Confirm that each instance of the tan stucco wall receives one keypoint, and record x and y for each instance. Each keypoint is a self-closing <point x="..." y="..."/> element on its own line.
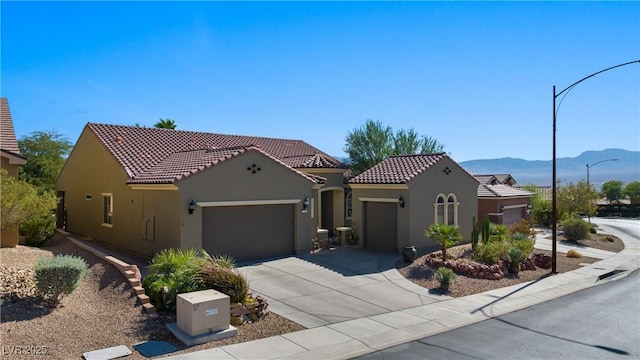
<point x="418" y="213"/>
<point x="230" y="181"/>
<point x="90" y="169"/>
<point x="9" y="237"/>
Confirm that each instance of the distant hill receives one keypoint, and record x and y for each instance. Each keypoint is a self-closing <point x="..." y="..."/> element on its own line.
<point x="625" y="169"/>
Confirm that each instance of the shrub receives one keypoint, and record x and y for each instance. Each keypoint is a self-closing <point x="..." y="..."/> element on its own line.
<point x="59" y="276"/>
<point x="524" y="226"/>
<point x="489" y="253"/>
<point x="445" y="275"/>
<point x="523" y="242"/>
<point x="38" y="230"/>
<point x="573" y="254"/>
<point x="515" y="257"/>
<point x="575" y="228"/>
<point x="172" y="272"/>
<point x="225" y="280"/>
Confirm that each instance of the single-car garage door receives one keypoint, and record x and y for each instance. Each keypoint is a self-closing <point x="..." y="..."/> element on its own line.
<point x="249" y="232"/>
<point x="381" y="225"/>
<point x="511" y="216"/>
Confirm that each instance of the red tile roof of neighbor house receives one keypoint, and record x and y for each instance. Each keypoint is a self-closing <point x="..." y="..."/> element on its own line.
<point x="145" y="152"/>
<point x="486" y="179"/>
<point x="8" y="140"/>
<point x="485" y="190"/>
<point x="398" y="169"/>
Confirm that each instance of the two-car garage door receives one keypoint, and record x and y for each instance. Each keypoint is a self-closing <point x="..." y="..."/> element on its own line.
<point x="249" y="232"/>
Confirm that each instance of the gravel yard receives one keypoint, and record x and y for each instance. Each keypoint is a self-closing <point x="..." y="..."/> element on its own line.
<point x="101" y="313"/>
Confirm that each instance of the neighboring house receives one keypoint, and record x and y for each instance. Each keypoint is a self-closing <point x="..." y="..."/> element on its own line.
<point x="11" y="160"/>
<point x="394" y="202"/>
<point x="502" y="204"/>
<point x="146" y="189"/>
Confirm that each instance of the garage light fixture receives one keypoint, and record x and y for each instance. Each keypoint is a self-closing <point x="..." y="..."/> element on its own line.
<point x="305" y="203"/>
<point x="401" y="201"/>
<point x="192" y="206"/>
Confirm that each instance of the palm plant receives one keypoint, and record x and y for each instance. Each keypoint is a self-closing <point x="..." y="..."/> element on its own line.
<point x="445" y="235"/>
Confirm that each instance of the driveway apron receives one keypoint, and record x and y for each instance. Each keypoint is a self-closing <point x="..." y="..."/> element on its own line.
<point x="335" y="285"/>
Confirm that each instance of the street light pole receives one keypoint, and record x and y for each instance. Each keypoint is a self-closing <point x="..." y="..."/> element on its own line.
<point x="594" y="164"/>
<point x="589" y="184"/>
<point x="554" y="210"/>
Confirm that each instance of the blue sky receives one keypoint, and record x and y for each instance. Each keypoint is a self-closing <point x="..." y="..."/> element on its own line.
<point x="476" y="76"/>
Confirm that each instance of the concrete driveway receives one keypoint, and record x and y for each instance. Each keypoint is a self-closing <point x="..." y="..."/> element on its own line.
<point x="335" y="285"/>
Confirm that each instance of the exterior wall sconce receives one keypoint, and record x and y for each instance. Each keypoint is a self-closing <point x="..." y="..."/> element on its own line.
<point x="528" y="209"/>
<point x="305" y="203"/>
<point x="502" y="208"/>
<point x="192" y="207"/>
<point x="401" y="201"/>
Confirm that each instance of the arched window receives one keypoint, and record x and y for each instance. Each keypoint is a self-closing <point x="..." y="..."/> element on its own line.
<point x="348" y="205"/>
<point x="446" y="209"/>
<point x="452" y="212"/>
<point x="439" y="209"/>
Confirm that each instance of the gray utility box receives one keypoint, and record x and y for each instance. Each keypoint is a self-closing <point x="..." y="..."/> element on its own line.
<point x="202" y="312"/>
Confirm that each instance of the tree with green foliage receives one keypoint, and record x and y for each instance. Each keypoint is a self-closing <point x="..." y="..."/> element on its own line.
<point x="46" y="152"/>
<point x="577" y="198"/>
<point x="21" y="202"/>
<point x="165" y="124"/>
<point x="612" y="189"/>
<point x="540" y="208"/>
<point x="632" y="190"/>
<point x="373" y="142"/>
<point x="445" y="235"/>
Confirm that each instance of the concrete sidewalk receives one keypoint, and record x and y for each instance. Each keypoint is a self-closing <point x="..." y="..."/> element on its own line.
<point x="361" y="336"/>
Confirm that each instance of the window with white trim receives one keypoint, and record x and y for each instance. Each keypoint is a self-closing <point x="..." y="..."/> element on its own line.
<point x="107" y="210"/>
<point x="348" y="205"/>
<point x="446" y="209"/>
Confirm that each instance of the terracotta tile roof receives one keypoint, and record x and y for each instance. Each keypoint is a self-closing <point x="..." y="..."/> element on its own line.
<point x="181" y="165"/>
<point x="8" y="140"/>
<point x="500" y="178"/>
<point x="398" y="169"/>
<point x="501" y="190"/>
<point x="139" y="149"/>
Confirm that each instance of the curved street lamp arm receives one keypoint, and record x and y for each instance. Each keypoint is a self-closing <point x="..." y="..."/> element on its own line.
<point x="601" y="161"/>
<point x="594" y="74"/>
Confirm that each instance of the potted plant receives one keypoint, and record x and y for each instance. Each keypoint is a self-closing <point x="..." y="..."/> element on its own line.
<point x="446" y="277"/>
<point x="353" y="238"/>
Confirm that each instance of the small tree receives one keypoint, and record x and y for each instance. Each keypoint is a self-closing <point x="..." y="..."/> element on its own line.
<point x="577" y="198"/>
<point x="612" y="190"/>
<point x="20" y="201"/>
<point x="632" y="190"/>
<point x="46" y="151"/>
<point x="445" y="235"/>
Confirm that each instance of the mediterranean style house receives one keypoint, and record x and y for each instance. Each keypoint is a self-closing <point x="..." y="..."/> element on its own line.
<point x="501" y="202"/>
<point x="11" y="160"/>
<point x="146" y="189"/>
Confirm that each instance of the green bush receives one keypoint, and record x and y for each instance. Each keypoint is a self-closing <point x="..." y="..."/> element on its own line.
<point x="445" y="275"/>
<point x="172" y="272"/>
<point x="225" y="280"/>
<point x="38" y="230"/>
<point x="59" y="276"/>
<point x="575" y="228"/>
<point x="523" y="242"/>
<point x="489" y="253"/>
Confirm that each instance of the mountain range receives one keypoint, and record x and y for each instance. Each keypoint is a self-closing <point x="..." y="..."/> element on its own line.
<point x="626" y="168"/>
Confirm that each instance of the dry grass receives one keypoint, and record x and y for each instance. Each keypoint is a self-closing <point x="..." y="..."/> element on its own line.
<point x="101" y="313"/>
